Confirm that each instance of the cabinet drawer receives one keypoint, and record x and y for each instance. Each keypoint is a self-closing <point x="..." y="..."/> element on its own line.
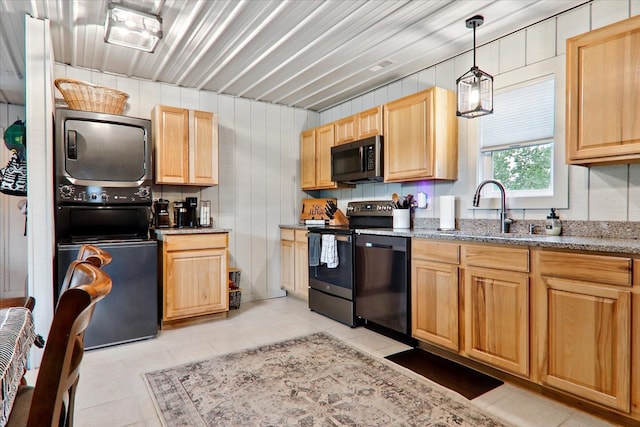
<point x="430" y="250"/>
<point x="501" y="258"/>
<point x="611" y="270"/>
<point x="287" y="234"/>
<point x="301" y="236"/>
<point x="196" y="241"/>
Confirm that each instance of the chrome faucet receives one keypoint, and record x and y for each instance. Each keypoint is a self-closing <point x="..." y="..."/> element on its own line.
<point x="504" y="221"/>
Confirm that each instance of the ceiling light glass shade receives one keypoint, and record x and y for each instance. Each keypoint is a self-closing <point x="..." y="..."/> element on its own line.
<point x="475" y="93"/>
<point x="131" y="28"/>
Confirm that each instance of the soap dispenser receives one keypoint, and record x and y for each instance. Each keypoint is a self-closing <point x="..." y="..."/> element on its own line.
<point x="553" y="227"/>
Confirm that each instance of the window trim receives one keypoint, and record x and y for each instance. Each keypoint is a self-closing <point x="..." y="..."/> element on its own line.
<point x="560" y="173"/>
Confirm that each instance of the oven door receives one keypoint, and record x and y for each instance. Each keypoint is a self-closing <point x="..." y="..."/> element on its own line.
<point x="336" y="281"/>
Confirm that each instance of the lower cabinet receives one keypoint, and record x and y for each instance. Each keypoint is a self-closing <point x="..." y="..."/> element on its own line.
<point x="194" y="277"/>
<point x="294" y="261"/>
<point x="585" y="325"/>
<point x="434" y="290"/>
<point x="497" y="306"/>
<point x="566" y="320"/>
<point x="497" y="318"/>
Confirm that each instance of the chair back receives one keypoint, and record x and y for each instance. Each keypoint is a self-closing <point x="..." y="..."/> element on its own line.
<point x="58" y="375"/>
<point x="87" y="253"/>
<point x="97" y="256"/>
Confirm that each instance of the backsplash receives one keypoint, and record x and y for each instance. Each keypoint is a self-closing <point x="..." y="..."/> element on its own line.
<point x="602" y="229"/>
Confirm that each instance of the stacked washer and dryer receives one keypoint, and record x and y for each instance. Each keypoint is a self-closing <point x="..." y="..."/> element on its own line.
<point x="103" y="176"/>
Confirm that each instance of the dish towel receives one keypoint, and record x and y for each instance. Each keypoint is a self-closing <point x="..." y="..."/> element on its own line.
<point x="329" y="251"/>
<point x="314" y="249"/>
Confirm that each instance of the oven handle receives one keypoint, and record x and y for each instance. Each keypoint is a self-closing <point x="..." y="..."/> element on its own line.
<point x="374" y="245"/>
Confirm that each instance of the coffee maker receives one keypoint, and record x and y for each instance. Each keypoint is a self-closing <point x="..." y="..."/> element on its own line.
<point x="179" y="215"/>
<point x="191" y="205"/>
<point x="161" y="213"/>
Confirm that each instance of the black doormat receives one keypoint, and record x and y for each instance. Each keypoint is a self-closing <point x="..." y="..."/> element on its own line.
<point x="452" y="375"/>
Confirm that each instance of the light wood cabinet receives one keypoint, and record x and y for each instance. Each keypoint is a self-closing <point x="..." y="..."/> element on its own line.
<point x="585" y="325"/>
<point x="369" y="122"/>
<point x="603" y="95"/>
<point x="346" y="130"/>
<point x="434" y="292"/>
<point x="359" y="126"/>
<point x="308" y="159"/>
<point x="294" y="262"/>
<point x="315" y="158"/>
<point x="194" y="277"/>
<point x="421" y="137"/>
<point x="185" y="145"/>
<point x="496" y="296"/>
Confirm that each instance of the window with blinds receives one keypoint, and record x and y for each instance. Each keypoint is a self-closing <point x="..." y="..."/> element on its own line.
<point x="516" y="141"/>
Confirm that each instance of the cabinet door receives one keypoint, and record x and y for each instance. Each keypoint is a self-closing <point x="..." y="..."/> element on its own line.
<point x="434" y="303"/>
<point x="308" y="159"/>
<point x="408" y="131"/>
<point x="324" y="142"/>
<point x="301" y="286"/>
<point x="171" y="133"/>
<point x="287" y="262"/>
<point x="203" y="148"/>
<point x="346" y="130"/>
<point x="196" y="283"/>
<point x="586" y="332"/>
<point x="497" y="318"/>
<point x="602" y="95"/>
<point x="369" y="122"/>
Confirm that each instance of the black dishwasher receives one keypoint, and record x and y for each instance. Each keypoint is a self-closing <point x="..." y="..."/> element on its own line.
<point x="382" y="285"/>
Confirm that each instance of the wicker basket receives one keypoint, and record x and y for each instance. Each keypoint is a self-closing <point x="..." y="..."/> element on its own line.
<point x="235" y="295"/>
<point x="234" y="278"/>
<point x="85" y="96"/>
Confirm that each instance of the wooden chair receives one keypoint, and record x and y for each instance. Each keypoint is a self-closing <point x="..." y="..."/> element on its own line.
<point x="87" y="253"/>
<point x="98" y="257"/>
<point x="51" y="401"/>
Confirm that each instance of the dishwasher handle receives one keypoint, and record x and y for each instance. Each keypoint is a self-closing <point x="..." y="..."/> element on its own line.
<point x="376" y="245"/>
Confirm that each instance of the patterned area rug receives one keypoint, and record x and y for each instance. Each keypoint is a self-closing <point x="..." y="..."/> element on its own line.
<point x="314" y="380"/>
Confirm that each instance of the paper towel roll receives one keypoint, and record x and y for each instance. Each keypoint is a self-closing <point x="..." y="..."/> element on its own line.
<point x="447" y="212"/>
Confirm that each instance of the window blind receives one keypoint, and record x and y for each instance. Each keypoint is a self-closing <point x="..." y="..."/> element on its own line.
<point x="521" y="115"/>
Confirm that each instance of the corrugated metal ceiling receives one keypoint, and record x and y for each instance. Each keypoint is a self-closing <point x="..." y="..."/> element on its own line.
<point x="305" y="53"/>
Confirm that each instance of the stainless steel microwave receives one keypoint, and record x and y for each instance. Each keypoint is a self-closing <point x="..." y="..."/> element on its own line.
<point x="358" y="161"/>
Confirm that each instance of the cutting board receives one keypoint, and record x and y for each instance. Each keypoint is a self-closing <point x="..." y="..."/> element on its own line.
<point x="314" y="208"/>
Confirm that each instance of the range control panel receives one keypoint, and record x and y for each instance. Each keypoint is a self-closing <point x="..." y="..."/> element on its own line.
<point x="372" y="208"/>
<point x="70" y="193"/>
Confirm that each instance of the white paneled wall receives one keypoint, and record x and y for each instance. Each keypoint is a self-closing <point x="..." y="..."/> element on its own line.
<point x="13" y="249"/>
<point x="598" y="193"/>
<point x="258" y="170"/>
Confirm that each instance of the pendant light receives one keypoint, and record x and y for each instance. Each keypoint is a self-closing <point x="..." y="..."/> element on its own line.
<point x="475" y="87"/>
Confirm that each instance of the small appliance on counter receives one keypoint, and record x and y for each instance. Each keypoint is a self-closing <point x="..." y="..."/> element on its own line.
<point x="191" y="206"/>
<point x="179" y="215"/>
<point x="161" y="215"/>
<point x="205" y="214"/>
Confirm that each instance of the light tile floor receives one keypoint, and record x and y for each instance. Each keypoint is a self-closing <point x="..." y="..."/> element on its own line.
<point x="112" y="391"/>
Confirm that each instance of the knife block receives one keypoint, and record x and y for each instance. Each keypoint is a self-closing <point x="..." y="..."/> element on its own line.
<point x="339" y="219"/>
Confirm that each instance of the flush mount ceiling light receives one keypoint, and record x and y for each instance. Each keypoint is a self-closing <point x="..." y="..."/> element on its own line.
<point x="132" y="28"/>
<point x="475" y="87"/>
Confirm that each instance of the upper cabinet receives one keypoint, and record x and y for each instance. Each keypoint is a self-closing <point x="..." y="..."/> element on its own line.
<point x="421" y="137"/>
<point x="186" y="146"/>
<point x="358" y="126"/>
<point x="603" y="95"/>
<point x="315" y="158"/>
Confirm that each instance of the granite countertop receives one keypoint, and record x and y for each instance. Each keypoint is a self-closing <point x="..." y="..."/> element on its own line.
<point x="200" y="230"/>
<point x="577" y="243"/>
